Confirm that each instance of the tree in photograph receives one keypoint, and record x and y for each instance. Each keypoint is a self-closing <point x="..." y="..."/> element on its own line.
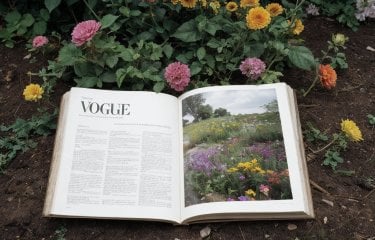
<point x="271" y="106"/>
<point x="191" y="105"/>
<point x="204" y="112"/>
<point x="221" y="112"/>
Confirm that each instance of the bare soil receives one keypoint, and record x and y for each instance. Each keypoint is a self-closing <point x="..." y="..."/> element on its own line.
<point x="23" y="184"/>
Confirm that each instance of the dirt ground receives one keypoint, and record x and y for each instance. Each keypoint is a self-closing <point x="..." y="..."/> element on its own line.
<point x="352" y="216"/>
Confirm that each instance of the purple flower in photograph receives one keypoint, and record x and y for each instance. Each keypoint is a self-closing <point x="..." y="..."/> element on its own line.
<point x="312" y="10"/>
<point x="230" y="199"/>
<point x="242" y="177"/>
<point x="202" y="160"/>
<point x="262" y="149"/>
<point x="252" y="67"/>
<point x="269" y="150"/>
<point x="243" y="198"/>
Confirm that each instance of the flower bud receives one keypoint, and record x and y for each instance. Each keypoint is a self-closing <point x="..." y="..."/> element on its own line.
<point x="339" y="39"/>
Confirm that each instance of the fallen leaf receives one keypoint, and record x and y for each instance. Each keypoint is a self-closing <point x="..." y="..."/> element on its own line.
<point x="205" y="232"/>
<point x="292" y="227"/>
<point x="370" y="49"/>
<point x="330" y="203"/>
<point x="325" y="220"/>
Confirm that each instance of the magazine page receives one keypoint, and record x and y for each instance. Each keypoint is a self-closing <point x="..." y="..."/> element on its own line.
<point x="119" y="156"/>
<point x="241" y="153"/>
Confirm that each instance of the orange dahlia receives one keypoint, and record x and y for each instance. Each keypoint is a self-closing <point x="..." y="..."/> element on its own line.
<point x="188" y="3"/>
<point x="327" y="76"/>
<point x="298" y="28"/>
<point x="249" y="3"/>
<point x="258" y="18"/>
<point x="231" y="6"/>
<point x="274" y="9"/>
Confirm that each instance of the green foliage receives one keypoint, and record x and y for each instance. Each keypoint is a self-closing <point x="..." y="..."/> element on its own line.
<point x="343" y="11"/>
<point x="60" y="233"/>
<point x="17" y="136"/>
<point x="371" y="119"/>
<point x="313" y="134"/>
<point x="338" y="142"/>
<point x="139" y="39"/>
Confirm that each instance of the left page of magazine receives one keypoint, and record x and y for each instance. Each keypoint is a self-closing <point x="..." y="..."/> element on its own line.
<point x="119" y="157"/>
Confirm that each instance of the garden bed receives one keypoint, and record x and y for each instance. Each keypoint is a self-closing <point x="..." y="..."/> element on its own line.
<point x="23" y="183"/>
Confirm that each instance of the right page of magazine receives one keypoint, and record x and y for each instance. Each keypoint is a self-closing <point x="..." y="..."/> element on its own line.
<point x="242" y="154"/>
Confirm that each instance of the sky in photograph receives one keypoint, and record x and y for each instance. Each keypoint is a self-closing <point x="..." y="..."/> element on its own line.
<point x="240" y="101"/>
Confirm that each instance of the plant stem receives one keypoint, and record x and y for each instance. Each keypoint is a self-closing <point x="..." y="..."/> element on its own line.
<point x="326" y="146"/>
<point x="91" y="10"/>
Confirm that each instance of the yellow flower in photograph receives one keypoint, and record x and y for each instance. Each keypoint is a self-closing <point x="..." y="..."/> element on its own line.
<point x="249" y="3"/>
<point x="274" y="9"/>
<point x="298" y="28"/>
<point x="174" y="2"/>
<point x="33" y="92"/>
<point x="258" y="18"/>
<point x="188" y="3"/>
<point x="250" y="193"/>
<point x="231" y="6"/>
<point x="351" y="130"/>
<point x="232" y="170"/>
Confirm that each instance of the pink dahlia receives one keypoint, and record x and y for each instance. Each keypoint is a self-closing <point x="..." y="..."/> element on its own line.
<point x="252" y="67"/>
<point x="177" y="75"/>
<point x="84" y="32"/>
<point x="39" y="41"/>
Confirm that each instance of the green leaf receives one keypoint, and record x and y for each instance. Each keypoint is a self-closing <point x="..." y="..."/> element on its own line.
<point x="201" y="53"/>
<point x="212" y="28"/>
<point x="127" y="55"/>
<point x="188" y="32"/>
<point x="27" y="20"/>
<point x="13" y="17"/>
<point x="51" y="4"/>
<point x="195" y="68"/>
<point x="108" y="20"/>
<point x="111" y="61"/>
<point x="301" y="57"/>
<point x="125" y="11"/>
<point x="40" y="28"/>
<point x="69" y="54"/>
<point x="86" y="82"/>
<point x="44" y="14"/>
<point x="168" y="50"/>
<point x="122" y="73"/>
<point x="135" y="13"/>
<point x="108" y="77"/>
<point x="159" y="86"/>
<point x="213" y="43"/>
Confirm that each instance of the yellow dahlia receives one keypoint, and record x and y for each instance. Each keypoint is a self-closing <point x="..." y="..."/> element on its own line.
<point x="351" y="130"/>
<point x="33" y="92"/>
<point x="249" y="3"/>
<point x="188" y="3"/>
<point x="231" y="6"/>
<point x="274" y="9"/>
<point x="215" y="5"/>
<point x="203" y="3"/>
<point x="298" y="27"/>
<point x="258" y="18"/>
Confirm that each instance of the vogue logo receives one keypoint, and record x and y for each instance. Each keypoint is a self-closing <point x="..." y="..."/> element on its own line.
<point x="106" y="108"/>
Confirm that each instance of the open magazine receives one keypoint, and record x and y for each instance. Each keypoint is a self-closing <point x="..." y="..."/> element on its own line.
<point x="214" y="154"/>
